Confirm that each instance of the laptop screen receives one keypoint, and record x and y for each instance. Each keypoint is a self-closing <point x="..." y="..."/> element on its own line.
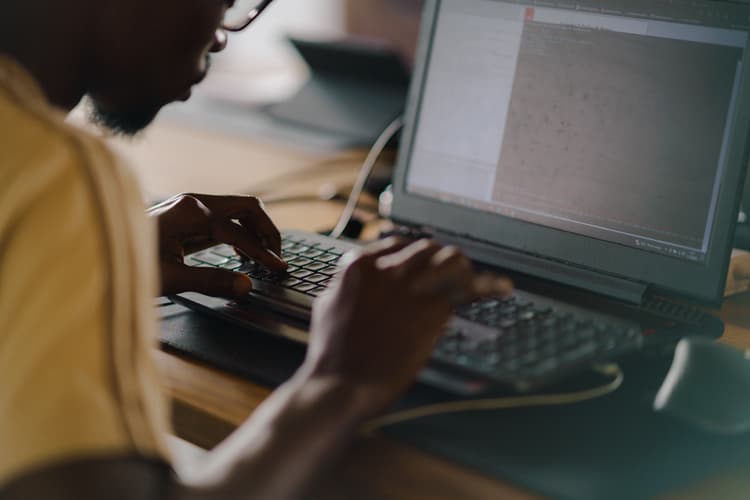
<point x="593" y="121"/>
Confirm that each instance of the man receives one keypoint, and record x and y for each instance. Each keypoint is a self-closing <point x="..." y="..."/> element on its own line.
<point x="81" y="412"/>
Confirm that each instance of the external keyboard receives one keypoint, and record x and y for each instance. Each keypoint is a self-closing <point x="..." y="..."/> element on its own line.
<point x="525" y="341"/>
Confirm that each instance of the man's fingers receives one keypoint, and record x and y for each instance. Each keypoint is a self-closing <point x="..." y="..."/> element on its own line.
<point x="250" y="212"/>
<point x="411" y="258"/>
<point x="209" y="281"/>
<point x="375" y="251"/>
<point x="270" y="237"/>
<point x="452" y="275"/>
<point x="230" y="233"/>
<point x="449" y="275"/>
<point x="488" y="285"/>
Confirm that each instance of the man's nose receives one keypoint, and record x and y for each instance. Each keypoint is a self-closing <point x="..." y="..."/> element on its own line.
<point x="220" y="41"/>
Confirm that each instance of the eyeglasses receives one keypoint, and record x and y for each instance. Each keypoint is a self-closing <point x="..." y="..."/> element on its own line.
<point x="242" y="13"/>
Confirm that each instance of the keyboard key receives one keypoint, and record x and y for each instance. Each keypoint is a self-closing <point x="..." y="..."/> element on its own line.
<point x="315" y="266"/>
<point x="233" y="265"/>
<point x="543" y="367"/>
<point x="305" y="287"/>
<point x="300" y="262"/>
<point x="577" y="353"/>
<point x="543" y="310"/>
<point x="301" y="274"/>
<point x="328" y="258"/>
<point x="317" y="291"/>
<point x="290" y="282"/>
<point x="210" y="258"/>
<point x="330" y="270"/>
<point x="261" y="273"/>
<point x="311" y="253"/>
<point x="529" y="358"/>
<point x="317" y="278"/>
<point x="527" y="315"/>
<point x="224" y="251"/>
<point x="508" y="309"/>
<point x="507" y="323"/>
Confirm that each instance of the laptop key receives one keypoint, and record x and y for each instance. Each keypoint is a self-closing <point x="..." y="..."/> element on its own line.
<point x="290" y="282"/>
<point x="210" y="258"/>
<point x="224" y="251"/>
<point x="328" y="258"/>
<point x="301" y="274"/>
<point x="316" y="278"/>
<point x="305" y="287"/>
<point x="330" y="270"/>
<point x="315" y="266"/>
<point x="311" y="253"/>
<point x="192" y="262"/>
<point x="232" y="265"/>
<point x="300" y="262"/>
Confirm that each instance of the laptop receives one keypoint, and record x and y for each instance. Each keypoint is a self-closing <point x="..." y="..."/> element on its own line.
<point x="592" y="150"/>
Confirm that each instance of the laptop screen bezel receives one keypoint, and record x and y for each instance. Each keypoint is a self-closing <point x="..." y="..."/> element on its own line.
<point x="701" y="282"/>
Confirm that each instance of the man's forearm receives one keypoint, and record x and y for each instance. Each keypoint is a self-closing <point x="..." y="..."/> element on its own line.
<point x="290" y="439"/>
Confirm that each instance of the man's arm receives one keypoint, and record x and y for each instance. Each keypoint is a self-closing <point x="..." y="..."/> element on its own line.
<point x="370" y="336"/>
<point x="289" y="441"/>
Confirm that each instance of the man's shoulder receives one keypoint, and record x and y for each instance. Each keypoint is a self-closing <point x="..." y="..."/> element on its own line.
<point x="32" y="135"/>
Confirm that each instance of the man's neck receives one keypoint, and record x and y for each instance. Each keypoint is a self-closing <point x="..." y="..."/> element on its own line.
<point x="47" y="40"/>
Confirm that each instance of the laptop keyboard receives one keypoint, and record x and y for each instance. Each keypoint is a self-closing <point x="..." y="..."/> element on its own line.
<point x="525" y="341"/>
<point x="312" y="265"/>
<point x="529" y="340"/>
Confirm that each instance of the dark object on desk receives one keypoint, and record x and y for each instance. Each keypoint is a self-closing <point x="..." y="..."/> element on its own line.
<point x="616" y="447"/>
<point x="691" y="390"/>
<point x="253" y="355"/>
<point x="742" y="237"/>
<point x="355" y="90"/>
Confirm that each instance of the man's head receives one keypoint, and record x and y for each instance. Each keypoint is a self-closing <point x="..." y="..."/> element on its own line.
<point x="131" y="57"/>
<point x="144" y="54"/>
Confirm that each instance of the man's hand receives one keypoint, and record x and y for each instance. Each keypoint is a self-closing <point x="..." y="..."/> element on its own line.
<point x="377" y="327"/>
<point x="191" y="222"/>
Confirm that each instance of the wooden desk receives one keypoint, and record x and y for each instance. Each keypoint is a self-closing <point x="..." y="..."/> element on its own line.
<point x="209" y="404"/>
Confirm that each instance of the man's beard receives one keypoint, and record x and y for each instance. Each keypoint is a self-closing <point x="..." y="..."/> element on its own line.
<point x="127" y="123"/>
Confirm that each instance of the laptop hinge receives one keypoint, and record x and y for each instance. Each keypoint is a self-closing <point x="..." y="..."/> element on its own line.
<point x="611" y="286"/>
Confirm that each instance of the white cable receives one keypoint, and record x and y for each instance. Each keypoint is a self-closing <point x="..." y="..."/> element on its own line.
<point x="611" y="370"/>
<point x="364" y="175"/>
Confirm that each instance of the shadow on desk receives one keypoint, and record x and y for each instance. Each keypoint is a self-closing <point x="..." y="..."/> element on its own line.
<point x="614" y="447"/>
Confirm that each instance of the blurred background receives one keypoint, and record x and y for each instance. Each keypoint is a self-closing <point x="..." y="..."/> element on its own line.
<point x="261" y="90"/>
<point x="343" y="80"/>
<point x="260" y="65"/>
<point x="266" y="121"/>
